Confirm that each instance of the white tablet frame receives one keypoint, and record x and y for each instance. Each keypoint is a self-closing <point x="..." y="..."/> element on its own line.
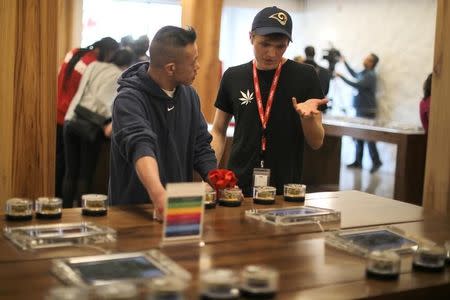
<point x="54" y="235"/>
<point x="64" y="270"/>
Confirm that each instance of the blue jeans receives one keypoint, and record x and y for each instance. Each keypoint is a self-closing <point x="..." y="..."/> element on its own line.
<point x="373" y="151"/>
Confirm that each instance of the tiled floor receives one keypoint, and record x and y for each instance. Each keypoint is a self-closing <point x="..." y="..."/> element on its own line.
<point x="380" y="183"/>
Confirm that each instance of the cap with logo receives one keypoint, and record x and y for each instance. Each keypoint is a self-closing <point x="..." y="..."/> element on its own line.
<point x="272" y="20"/>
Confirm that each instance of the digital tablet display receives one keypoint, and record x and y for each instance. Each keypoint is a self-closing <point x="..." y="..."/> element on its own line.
<point x="378" y="240"/>
<point x="303" y="211"/>
<point x="117" y="269"/>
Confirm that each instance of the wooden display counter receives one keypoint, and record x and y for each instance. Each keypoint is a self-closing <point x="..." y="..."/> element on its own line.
<point x="307" y="267"/>
<point x="135" y="224"/>
<point x="323" y="166"/>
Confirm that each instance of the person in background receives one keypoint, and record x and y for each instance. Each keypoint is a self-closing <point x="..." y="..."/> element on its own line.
<point x="324" y="74"/>
<point x="69" y="76"/>
<point x="275" y="102"/>
<point x="365" y="105"/>
<point x="424" y="106"/>
<point x="140" y="48"/>
<point x="159" y="133"/>
<point x="126" y="42"/>
<point x="97" y="90"/>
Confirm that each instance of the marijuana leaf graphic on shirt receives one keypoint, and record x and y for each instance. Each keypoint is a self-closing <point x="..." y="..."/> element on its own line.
<point x="246" y="98"/>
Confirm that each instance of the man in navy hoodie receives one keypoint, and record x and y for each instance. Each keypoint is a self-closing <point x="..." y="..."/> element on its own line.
<point x="159" y="133"/>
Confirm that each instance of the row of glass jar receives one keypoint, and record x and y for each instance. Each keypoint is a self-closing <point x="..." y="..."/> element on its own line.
<point x="156" y="289"/>
<point x="230" y="197"/>
<point x="387" y="264"/>
<point x="21" y="209"/>
<point x="254" y="281"/>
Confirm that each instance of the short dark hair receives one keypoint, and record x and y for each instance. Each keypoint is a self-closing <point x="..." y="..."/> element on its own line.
<point x="309" y="51"/>
<point x="166" y="43"/>
<point x="140" y="46"/>
<point x="123" y="58"/>
<point x="126" y="41"/>
<point x="375" y="59"/>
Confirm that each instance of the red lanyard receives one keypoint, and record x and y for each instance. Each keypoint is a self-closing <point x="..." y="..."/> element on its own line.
<point x="264" y="117"/>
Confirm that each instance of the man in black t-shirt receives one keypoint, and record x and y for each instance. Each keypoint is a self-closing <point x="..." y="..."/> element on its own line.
<point x="324" y="74"/>
<point x="271" y="134"/>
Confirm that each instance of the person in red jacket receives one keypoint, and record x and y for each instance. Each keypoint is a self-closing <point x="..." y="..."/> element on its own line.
<point x="69" y="76"/>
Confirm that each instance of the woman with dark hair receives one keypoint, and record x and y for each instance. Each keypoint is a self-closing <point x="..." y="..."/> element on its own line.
<point x="69" y="76"/>
<point x="424" y="105"/>
<point x="97" y="90"/>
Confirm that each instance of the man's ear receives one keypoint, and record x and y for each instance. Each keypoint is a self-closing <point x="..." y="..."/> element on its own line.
<point x="170" y="68"/>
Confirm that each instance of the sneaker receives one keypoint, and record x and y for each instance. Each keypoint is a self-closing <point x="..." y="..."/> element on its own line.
<point x="375" y="167"/>
<point x="355" y="165"/>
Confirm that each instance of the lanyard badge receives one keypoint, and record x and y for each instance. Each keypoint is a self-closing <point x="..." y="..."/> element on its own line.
<point x="261" y="176"/>
<point x="264" y="115"/>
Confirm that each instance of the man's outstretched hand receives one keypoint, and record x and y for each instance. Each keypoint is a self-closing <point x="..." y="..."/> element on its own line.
<point x="309" y="108"/>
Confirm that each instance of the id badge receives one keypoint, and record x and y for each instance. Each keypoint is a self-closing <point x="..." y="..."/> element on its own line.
<point x="261" y="177"/>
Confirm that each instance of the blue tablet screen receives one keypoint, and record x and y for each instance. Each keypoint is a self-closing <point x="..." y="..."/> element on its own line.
<point x="379" y="240"/>
<point x="116" y="269"/>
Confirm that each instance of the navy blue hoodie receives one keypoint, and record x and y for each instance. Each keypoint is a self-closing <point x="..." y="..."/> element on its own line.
<point x="147" y="122"/>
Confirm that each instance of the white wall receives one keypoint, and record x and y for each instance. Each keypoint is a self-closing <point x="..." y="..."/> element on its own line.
<point x="400" y="32"/>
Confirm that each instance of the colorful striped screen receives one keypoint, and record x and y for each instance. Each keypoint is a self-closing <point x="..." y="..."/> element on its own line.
<point x="184" y="216"/>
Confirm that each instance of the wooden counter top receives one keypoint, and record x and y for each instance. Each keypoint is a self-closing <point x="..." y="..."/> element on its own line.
<point x="134" y="224"/>
<point x="307" y="267"/>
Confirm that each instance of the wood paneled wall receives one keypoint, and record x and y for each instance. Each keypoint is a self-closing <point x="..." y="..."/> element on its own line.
<point x="70" y="14"/>
<point x="8" y="16"/>
<point x="28" y="98"/>
<point x="205" y="17"/>
<point x="437" y="169"/>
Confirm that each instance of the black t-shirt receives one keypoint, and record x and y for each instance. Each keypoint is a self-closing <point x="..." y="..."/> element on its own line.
<point x="285" y="140"/>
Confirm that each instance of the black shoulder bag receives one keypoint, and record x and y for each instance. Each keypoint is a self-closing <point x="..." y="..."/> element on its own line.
<point x="86" y="123"/>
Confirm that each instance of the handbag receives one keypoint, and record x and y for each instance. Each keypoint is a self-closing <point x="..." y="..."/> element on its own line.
<point x="86" y="123"/>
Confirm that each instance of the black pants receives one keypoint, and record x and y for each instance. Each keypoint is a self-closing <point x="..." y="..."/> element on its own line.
<point x="81" y="161"/>
<point x="372" y="146"/>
